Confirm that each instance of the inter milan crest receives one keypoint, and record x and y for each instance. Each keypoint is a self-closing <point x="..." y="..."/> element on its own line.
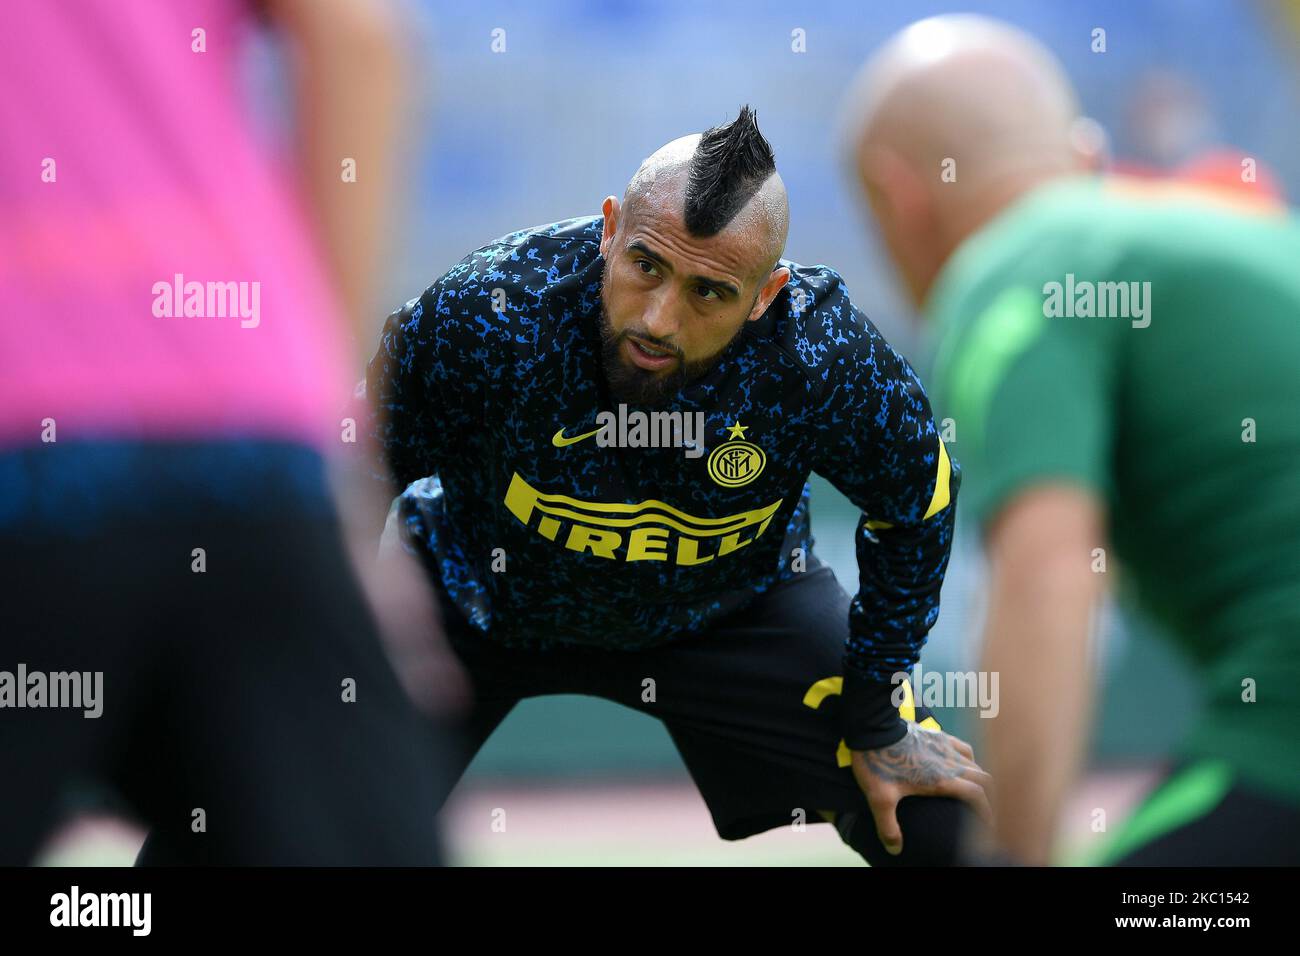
<point x="736" y="462"/>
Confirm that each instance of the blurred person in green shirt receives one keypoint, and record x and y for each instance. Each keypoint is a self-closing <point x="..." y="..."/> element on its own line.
<point x="1120" y="361"/>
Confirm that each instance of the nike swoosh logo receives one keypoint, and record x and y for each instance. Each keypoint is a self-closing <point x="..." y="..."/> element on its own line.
<point x="559" y="441"/>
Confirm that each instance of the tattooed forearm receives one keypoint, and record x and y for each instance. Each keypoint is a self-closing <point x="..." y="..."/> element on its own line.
<point x="922" y="758"/>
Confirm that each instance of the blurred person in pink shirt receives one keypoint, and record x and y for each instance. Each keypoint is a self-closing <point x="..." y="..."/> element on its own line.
<point x="180" y="619"/>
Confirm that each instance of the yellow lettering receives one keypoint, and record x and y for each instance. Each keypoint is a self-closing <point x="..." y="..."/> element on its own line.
<point x="601" y="543"/>
<point x="688" y="552"/>
<point x="650" y="526"/>
<point x="732" y="543"/>
<point x="639" y="544"/>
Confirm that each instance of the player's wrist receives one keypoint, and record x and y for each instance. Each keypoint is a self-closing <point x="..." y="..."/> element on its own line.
<point x="870" y="718"/>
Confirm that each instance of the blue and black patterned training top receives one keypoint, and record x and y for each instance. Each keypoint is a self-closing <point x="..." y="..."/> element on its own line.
<point x="488" y="387"/>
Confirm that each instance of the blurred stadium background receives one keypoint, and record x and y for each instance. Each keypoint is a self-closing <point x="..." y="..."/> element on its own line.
<point x="583" y="91"/>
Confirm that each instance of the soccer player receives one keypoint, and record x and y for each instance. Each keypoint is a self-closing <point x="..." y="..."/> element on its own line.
<point x="180" y="621"/>
<point x="1120" y="363"/>
<point x="607" y="425"/>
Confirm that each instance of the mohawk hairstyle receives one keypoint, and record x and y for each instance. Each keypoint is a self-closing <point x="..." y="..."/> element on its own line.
<point x="728" y="166"/>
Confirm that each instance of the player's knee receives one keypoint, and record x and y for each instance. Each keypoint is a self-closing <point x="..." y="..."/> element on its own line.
<point x="932" y="829"/>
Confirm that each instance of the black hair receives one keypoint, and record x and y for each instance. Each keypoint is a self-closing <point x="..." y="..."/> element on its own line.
<point x="729" y="165"/>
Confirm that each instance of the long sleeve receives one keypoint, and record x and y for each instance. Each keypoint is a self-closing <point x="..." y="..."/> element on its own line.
<point x="884" y="453"/>
<point x="404" y="398"/>
<point x="438" y="358"/>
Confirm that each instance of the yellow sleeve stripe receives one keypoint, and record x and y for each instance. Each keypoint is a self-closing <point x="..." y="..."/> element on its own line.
<point x="941" y="497"/>
<point x="907" y="709"/>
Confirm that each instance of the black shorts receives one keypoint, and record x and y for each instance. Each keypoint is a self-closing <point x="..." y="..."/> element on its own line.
<point x="221" y="689"/>
<point x="751" y="704"/>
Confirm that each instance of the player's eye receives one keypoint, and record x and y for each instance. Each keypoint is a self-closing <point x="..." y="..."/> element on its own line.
<point x="646" y="266"/>
<point x="705" y="291"/>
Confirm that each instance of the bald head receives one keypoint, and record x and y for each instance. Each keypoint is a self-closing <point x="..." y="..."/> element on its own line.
<point x="952" y="120"/>
<point x="968" y="88"/>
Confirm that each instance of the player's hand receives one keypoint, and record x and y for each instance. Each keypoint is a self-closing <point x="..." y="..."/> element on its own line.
<point x="928" y="763"/>
<point x="402" y="603"/>
<point x="411" y="628"/>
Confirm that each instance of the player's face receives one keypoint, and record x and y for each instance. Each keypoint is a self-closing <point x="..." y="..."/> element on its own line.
<point x="671" y="302"/>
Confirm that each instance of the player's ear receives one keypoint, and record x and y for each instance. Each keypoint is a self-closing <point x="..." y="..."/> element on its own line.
<point x="893" y="190"/>
<point x="611" y="209"/>
<point x="907" y="214"/>
<point x="775" y="282"/>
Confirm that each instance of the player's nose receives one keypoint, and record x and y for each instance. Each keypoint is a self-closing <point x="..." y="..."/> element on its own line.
<point x="661" y="319"/>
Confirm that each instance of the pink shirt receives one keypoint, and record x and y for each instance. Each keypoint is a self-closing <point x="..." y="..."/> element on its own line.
<point x="153" y="173"/>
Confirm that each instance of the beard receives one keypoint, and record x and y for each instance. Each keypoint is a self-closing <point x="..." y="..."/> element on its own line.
<point x="628" y="383"/>
<point x="632" y="385"/>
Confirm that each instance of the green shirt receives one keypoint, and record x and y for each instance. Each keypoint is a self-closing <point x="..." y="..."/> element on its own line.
<point x="1144" y="343"/>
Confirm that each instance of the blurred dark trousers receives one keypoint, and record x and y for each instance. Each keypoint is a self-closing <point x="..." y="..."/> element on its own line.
<point x="203" y="589"/>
